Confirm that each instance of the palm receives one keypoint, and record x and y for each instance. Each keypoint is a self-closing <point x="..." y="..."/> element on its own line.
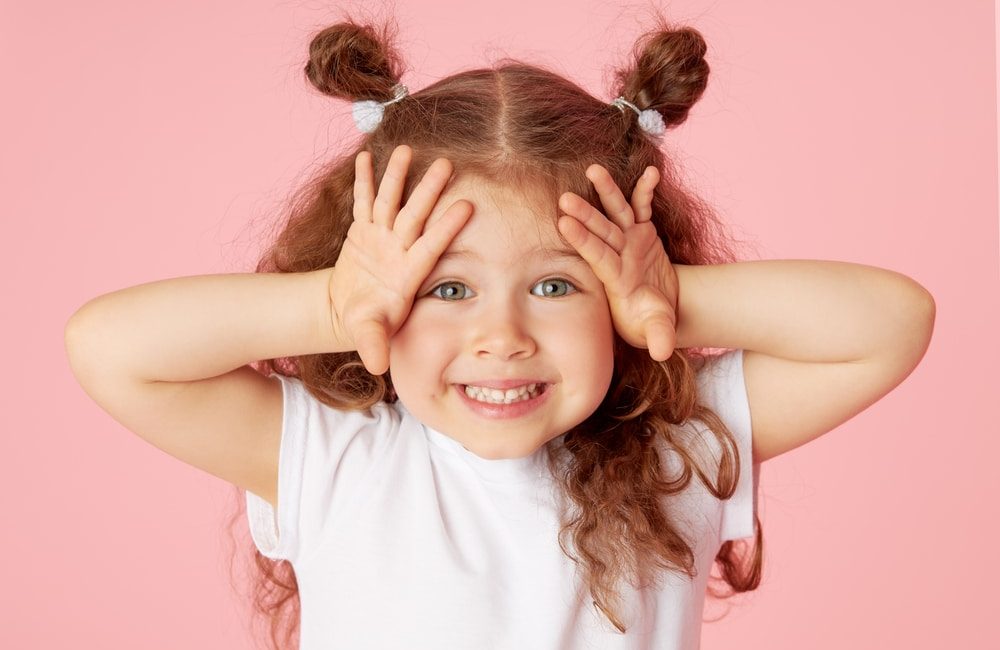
<point x="388" y="252"/>
<point x="627" y="256"/>
<point x="368" y="250"/>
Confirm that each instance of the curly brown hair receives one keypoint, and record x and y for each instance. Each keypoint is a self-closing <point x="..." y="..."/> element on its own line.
<point x="524" y="126"/>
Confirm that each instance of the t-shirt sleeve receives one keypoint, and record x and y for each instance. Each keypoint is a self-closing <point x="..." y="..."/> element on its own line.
<point x="723" y="389"/>
<point x="324" y="459"/>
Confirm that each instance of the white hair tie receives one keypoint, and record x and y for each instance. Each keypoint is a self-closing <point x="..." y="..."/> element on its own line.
<point x="368" y="112"/>
<point x="649" y="120"/>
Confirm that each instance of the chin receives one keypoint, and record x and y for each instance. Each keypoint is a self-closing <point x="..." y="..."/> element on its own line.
<point x="506" y="452"/>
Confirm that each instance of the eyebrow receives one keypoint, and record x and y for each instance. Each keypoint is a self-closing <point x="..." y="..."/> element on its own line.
<point x="548" y="253"/>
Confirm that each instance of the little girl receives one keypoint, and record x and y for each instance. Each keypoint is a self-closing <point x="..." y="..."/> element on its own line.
<point x="484" y="416"/>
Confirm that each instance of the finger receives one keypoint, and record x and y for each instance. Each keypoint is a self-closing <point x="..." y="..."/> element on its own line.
<point x="579" y="208"/>
<point x="411" y="219"/>
<point x="660" y="339"/>
<point x="604" y="261"/>
<point x="371" y="342"/>
<point x="615" y="205"/>
<point x="424" y="254"/>
<point x="390" y="190"/>
<point x="642" y="195"/>
<point x="364" y="187"/>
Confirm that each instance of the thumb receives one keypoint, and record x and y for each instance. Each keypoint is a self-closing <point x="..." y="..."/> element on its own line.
<point x="372" y="344"/>
<point x="660" y="338"/>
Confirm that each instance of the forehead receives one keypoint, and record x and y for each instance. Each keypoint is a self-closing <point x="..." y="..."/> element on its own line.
<point x="515" y="219"/>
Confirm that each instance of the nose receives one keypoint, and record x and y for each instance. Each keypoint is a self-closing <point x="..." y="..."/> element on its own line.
<point x="501" y="331"/>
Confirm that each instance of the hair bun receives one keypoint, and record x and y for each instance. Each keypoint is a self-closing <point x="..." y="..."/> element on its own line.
<point x="668" y="72"/>
<point x="354" y="61"/>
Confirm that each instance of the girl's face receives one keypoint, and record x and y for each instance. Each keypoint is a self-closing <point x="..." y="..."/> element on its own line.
<point x="498" y="306"/>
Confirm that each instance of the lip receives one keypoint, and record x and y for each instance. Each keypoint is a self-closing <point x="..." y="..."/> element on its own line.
<point x="505" y="411"/>
<point x="503" y="384"/>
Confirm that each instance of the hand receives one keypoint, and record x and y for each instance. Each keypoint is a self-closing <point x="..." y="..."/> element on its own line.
<point x="385" y="258"/>
<point x="628" y="257"/>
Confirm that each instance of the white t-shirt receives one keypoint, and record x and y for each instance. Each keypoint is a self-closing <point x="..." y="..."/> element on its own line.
<point x="402" y="538"/>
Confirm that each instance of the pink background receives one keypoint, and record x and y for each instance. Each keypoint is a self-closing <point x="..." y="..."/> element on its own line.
<point x="151" y="140"/>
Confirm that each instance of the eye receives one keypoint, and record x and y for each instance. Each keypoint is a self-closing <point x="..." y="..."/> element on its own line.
<point x="551" y="287"/>
<point x="452" y="292"/>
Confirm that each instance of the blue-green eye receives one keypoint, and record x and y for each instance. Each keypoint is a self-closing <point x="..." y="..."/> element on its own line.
<point x="448" y="295"/>
<point x="552" y="287"/>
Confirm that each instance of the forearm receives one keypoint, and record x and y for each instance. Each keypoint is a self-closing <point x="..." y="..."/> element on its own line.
<point x="195" y="327"/>
<point x="805" y="310"/>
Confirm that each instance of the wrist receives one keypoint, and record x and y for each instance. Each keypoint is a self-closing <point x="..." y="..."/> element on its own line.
<point x="686" y="276"/>
<point x="327" y="324"/>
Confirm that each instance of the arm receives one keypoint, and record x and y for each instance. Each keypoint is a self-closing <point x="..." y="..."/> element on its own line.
<point x="190" y="328"/>
<point x="823" y="340"/>
<point x="168" y="361"/>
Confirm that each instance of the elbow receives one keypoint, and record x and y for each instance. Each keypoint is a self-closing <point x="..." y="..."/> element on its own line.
<point x="78" y="339"/>
<point x="74" y="321"/>
<point x="926" y="308"/>
<point x="73" y="344"/>
<point x="73" y="331"/>
<point x="922" y="308"/>
<point x="921" y="323"/>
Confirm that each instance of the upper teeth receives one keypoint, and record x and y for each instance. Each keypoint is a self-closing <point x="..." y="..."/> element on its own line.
<point x="493" y="395"/>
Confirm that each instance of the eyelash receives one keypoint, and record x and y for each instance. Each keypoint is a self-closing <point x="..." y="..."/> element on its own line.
<point x="433" y="292"/>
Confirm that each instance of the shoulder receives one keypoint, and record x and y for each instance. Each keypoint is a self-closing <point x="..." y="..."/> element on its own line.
<point x="320" y="431"/>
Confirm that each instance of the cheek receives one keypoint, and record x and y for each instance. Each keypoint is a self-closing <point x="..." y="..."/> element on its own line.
<point x="589" y="348"/>
<point x="418" y="342"/>
<point x="603" y="333"/>
<point x="600" y="325"/>
<point x="604" y="361"/>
